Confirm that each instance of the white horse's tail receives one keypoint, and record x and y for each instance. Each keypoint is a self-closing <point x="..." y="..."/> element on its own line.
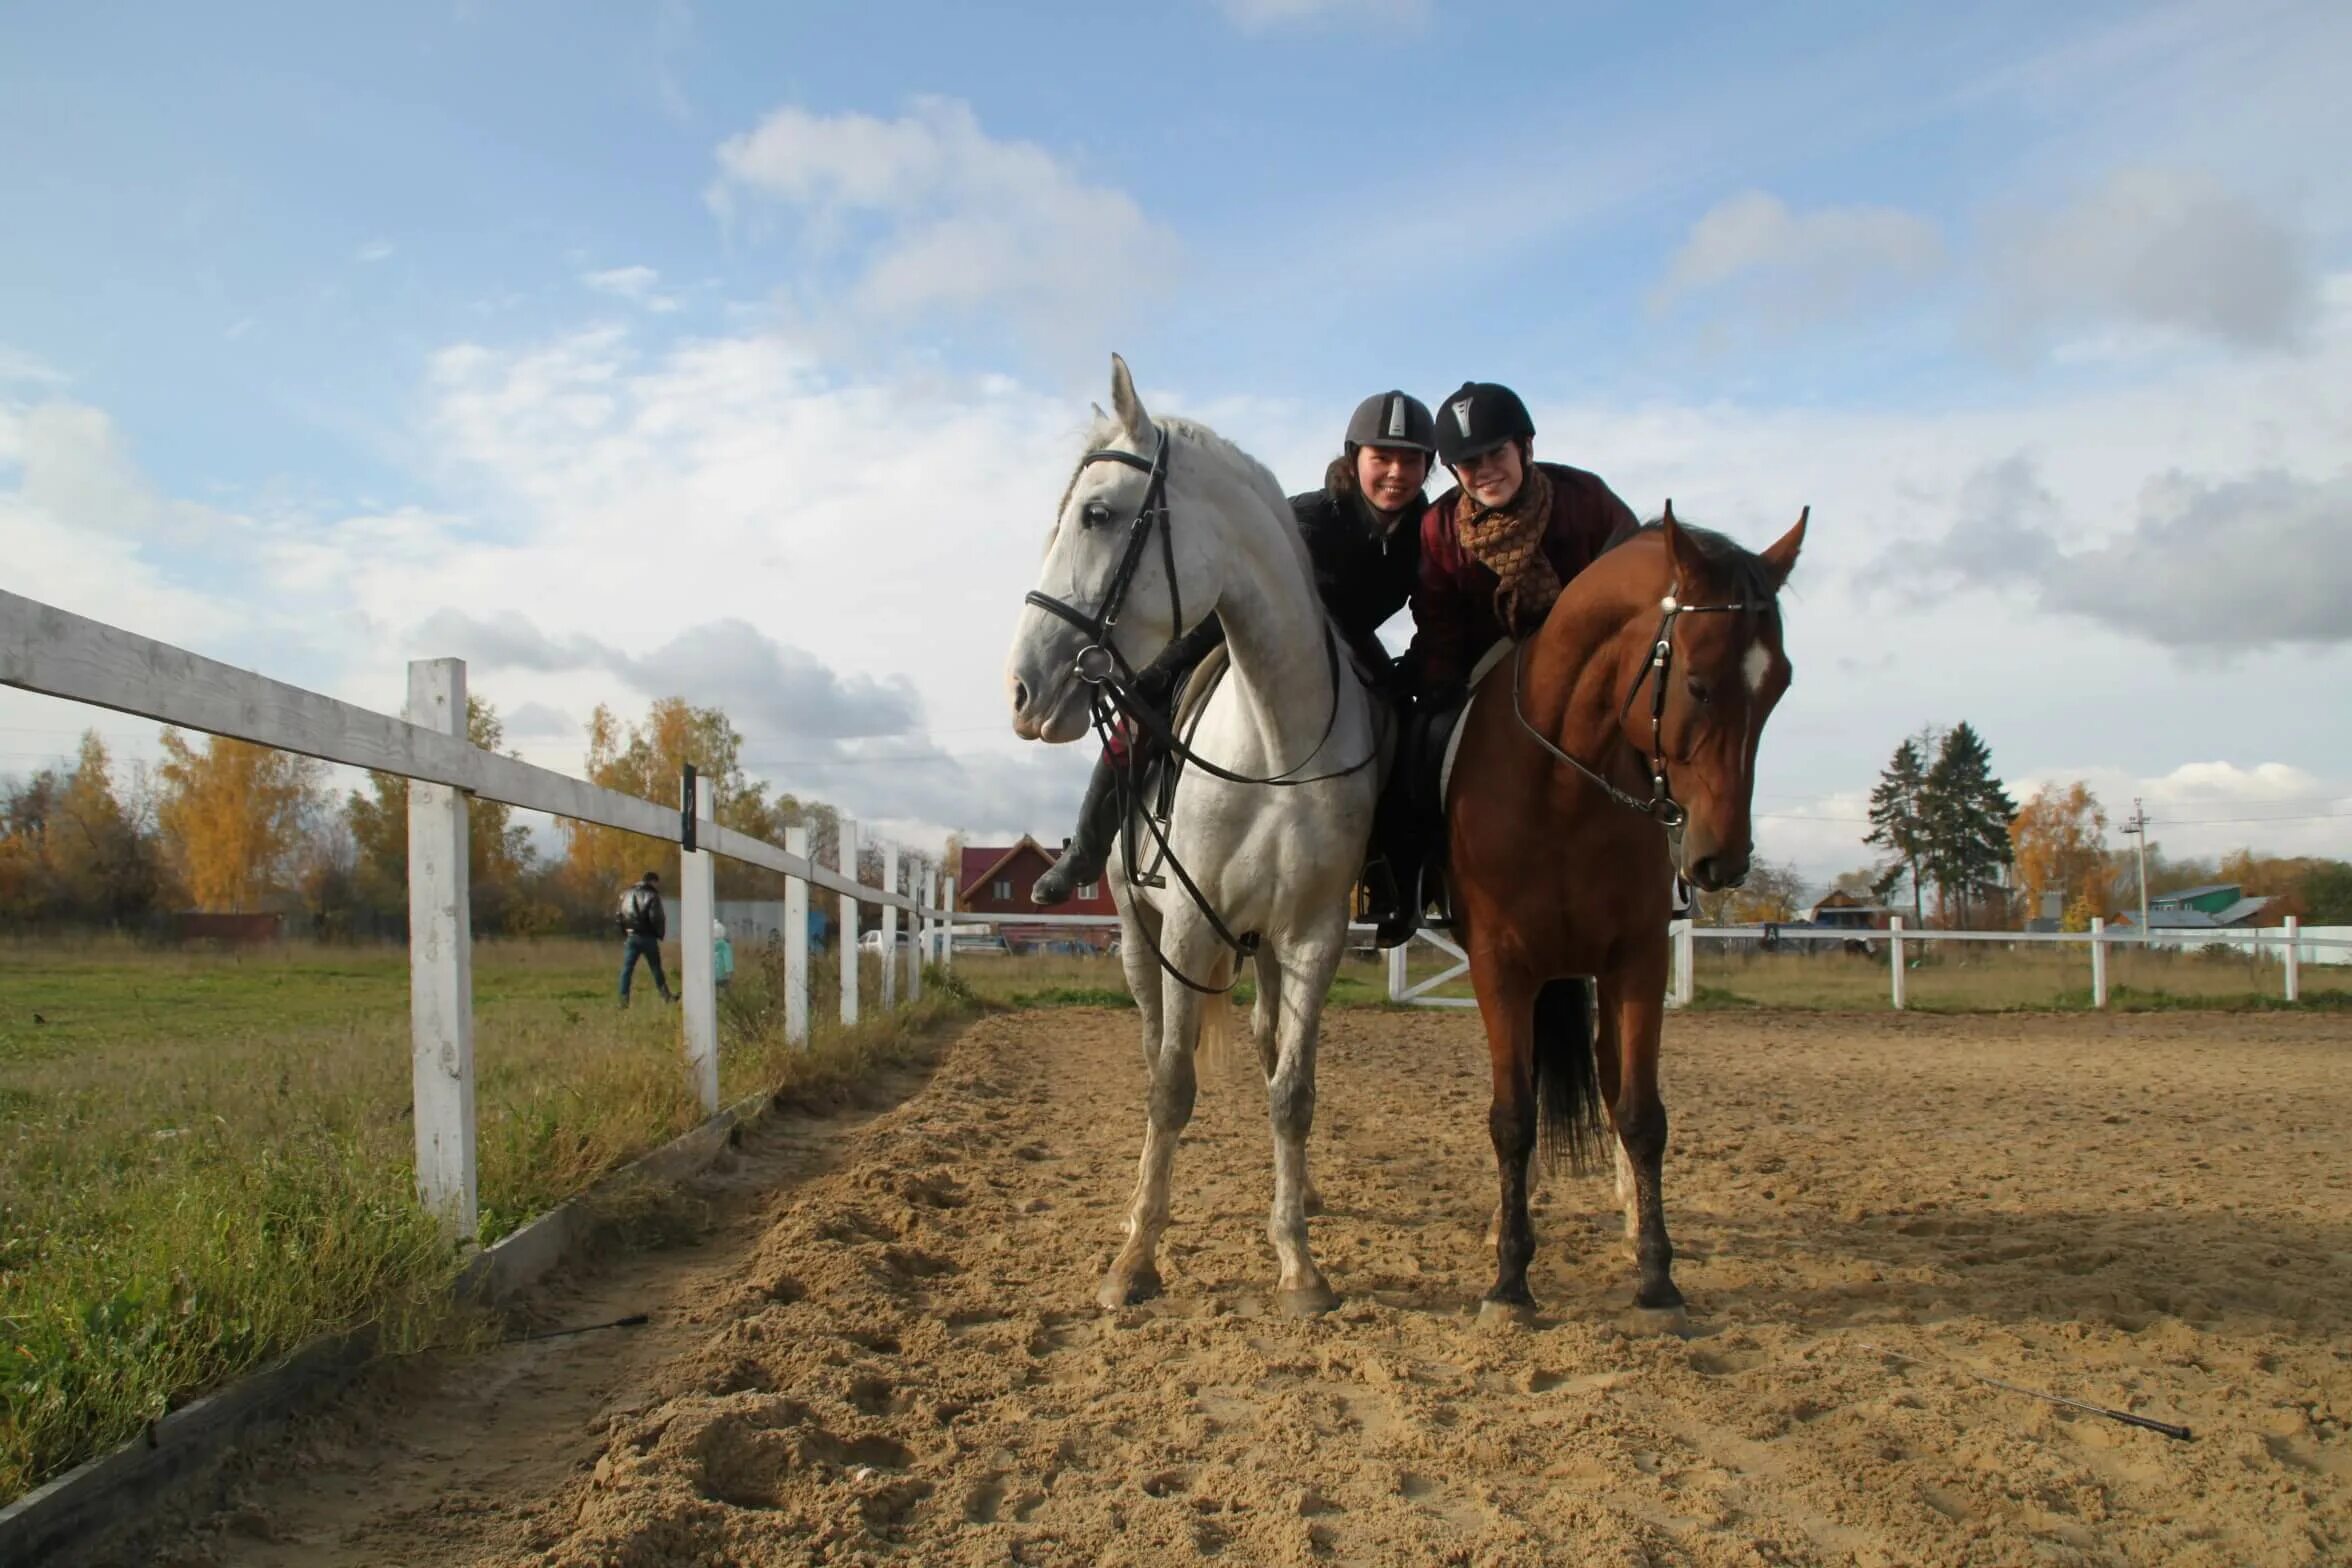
<point x="1214" y="1043"/>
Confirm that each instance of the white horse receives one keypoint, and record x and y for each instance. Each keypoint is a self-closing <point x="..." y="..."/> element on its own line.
<point x="1164" y="520"/>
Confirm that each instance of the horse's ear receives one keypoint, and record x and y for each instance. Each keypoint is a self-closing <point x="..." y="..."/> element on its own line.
<point x="1780" y="557"/>
<point x="1688" y="568"/>
<point x="1127" y="405"/>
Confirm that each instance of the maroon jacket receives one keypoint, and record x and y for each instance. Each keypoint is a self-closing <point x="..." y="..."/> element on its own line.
<point x="1453" y="611"/>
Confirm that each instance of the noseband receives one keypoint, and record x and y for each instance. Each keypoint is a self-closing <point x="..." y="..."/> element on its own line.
<point x="1656" y="671"/>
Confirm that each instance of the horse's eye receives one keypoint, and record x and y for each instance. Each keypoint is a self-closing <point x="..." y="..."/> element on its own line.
<point x="1701" y="692"/>
<point x="1096" y="515"/>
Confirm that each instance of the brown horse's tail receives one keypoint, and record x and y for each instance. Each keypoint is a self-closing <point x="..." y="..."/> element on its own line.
<point x="1567" y="1080"/>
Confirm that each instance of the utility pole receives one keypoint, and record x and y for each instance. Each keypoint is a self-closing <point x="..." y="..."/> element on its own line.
<point x="2137" y="827"/>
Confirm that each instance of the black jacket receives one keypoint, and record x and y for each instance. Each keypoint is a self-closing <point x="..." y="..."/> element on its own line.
<point x="642" y="913"/>
<point x="1364" y="577"/>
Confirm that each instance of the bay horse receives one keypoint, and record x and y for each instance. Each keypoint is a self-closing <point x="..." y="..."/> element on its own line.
<point x="1617" y="742"/>
<point x="1164" y="521"/>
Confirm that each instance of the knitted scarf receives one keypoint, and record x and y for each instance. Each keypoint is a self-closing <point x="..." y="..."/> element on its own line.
<point x="1508" y="541"/>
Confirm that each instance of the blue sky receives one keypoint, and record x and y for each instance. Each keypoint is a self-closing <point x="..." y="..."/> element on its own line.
<point x="331" y="338"/>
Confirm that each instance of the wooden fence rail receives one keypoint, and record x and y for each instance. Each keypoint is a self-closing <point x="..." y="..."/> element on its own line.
<point x="59" y="654"/>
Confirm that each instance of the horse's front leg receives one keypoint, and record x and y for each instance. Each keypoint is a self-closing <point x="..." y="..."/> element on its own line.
<point x="1506" y="1002"/>
<point x="1170" y="1086"/>
<point x="1639" y="1113"/>
<point x="1306" y="968"/>
<point x="1265" y="1022"/>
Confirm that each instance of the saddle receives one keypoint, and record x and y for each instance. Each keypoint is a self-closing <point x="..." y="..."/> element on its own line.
<point x="1155" y="787"/>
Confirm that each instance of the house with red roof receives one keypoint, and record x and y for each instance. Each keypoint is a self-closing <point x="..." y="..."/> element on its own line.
<point x="996" y="879"/>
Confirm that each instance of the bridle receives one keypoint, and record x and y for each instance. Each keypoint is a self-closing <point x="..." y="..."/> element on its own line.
<point x="1656" y="671"/>
<point x="1115" y="698"/>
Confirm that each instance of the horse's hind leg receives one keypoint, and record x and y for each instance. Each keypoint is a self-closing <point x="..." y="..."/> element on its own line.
<point x="1290" y="1106"/>
<point x="1605" y="1064"/>
<point x="1134" y="1274"/>
<point x="1636" y="996"/>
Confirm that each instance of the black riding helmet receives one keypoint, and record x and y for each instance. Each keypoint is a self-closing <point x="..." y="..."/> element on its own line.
<point x="1391" y="419"/>
<point x="1477" y="418"/>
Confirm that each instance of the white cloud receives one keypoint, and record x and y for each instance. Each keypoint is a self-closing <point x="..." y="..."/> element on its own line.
<point x="2243" y="562"/>
<point x="1257" y="16"/>
<point x="18" y="368"/>
<point x="1815" y="261"/>
<point x="638" y="285"/>
<point x="936" y="216"/>
<point x="2159" y="249"/>
<point x="373" y="251"/>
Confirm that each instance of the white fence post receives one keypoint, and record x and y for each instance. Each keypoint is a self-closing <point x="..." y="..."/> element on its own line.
<point x="1681" y="982"/>
<point x="696" y="909"/>
<point x="849" y="924"/>
<point x="2294" y="959"/>
<point x="796" y="954"/>
<point x="1397" y="980"/>
<point x="918" y="927"/>
<point x="948" y="930"/>
<point x="1895" y="960"/>
<point x="2098" y="962"/>
<point x="889" y="929"/>
<point x="441" y="963"/>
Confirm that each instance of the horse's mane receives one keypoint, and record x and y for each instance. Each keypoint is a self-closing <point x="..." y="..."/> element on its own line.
<point x="1191" y="432"/>
<point x="1750" y="578"/>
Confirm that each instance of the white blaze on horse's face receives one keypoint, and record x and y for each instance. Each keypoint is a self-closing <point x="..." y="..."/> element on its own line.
<point x="1756" y="666"/>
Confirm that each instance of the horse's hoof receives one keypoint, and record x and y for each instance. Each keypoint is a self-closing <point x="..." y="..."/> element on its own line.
<point x="1505" y="1314"/>
<point x="1667" y="1322"/>
<point x="1661" y="1297"/>
<point x="1311" y="1302"/>
<point x="1127" y="1290"/>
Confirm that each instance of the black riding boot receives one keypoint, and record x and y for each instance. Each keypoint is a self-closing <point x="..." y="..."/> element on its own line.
<point x="1090" y="847"/>
<point x="1396" y="881"/>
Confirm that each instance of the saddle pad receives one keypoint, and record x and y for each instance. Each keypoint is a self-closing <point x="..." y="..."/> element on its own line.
<point x="1199" y="686"/>
<point x="1478" y="672"/>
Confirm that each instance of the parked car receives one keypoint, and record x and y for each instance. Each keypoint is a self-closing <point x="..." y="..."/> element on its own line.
<point x="871" y="941"/>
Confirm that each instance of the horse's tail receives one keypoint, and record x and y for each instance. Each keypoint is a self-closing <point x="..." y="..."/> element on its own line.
<point x="1567" y="1078"/>
<point x="1214" y="1042"/>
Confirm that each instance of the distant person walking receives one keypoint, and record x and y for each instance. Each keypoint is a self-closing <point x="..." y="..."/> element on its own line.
<point x="643" y="925"/>
<point x="722" y="954"/>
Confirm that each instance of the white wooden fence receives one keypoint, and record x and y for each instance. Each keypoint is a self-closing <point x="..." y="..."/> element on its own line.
<point x="2293" y="946"/>
<point x="59" y="654"/>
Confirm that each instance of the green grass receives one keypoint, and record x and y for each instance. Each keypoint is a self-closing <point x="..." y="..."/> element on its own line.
<point x="208" y="1158"/>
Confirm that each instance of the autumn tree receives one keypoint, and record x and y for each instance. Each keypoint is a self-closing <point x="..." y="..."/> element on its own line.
<point x="2058" y="843"/>
<point x="1965" y="815"/>
<point x="498" y="849"/>
<point x="232" y="815"/>
<point x="648" y="761"/>
<point x="73" y="847"/>
<point x="1770" y="892"/>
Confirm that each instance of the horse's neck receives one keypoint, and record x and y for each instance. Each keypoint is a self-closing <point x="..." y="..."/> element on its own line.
<point x="1274" y="631"/>
<point x="1589" y="661"/>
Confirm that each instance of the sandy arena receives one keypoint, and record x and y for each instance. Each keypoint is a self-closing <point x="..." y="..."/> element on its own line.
<point x="884" y="1345"/>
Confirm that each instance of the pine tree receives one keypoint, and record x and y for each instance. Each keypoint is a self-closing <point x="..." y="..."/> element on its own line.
<point x="1967" y="815"/>
<point x="1898" y="824"/>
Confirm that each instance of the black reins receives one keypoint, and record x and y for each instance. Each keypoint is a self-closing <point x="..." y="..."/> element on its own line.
<point x="1656" y="670"/>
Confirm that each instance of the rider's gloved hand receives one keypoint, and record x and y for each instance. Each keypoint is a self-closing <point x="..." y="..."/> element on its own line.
<point x="1154" y="684"/>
